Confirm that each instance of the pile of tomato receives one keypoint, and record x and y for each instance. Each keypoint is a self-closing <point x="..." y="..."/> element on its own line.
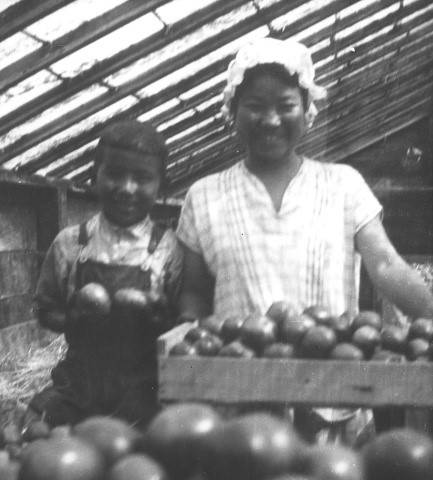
<point x="314" y="333"/>
<point x="191" y="441"/>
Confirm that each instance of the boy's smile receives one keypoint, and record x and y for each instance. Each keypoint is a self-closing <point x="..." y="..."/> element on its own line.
<point x="127" y="183"/>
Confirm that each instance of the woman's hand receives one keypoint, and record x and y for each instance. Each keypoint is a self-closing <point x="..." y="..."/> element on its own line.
<point x="390" y="274"/>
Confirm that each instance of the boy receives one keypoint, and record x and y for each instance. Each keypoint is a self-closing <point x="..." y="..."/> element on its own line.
<point x="110" y="365"/>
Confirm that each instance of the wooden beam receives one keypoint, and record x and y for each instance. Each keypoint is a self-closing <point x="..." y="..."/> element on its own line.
<point x="19" y="16"/>
<point x="81" y="113"/>
<point x="141" y="107"/>
<point x="230" y="145"/>
<point x="365" y="55"/>
<point x="370" y="93"/>
<point x="165" y="68"/>
<point x="342" y="106"/>
<point x="370" y="29"/>
<point x="27" y="141"/>
<point x="336" y="95"/>
<point x="110" y="65"/>
<point x="397" y="126"/>
<point x="358" y="140"/>
<point x="86" y="33"/>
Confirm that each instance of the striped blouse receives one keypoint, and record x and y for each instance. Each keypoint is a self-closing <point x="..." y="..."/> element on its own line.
<point x="304" y="253"/>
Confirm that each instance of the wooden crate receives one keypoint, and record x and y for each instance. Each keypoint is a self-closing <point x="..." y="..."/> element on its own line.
<point x="306" y="382"/>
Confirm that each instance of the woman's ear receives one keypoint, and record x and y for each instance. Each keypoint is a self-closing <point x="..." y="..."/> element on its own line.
<point x="310" y="115"/>
<point x="94" y="174"/>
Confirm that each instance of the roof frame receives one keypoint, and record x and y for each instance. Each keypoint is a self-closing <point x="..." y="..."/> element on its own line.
<point x="72" y="41"/>
<point x="19" y="16"/>
<point x="351" y="99"/>
<point x="165" y="68"/>
<point x="106" y="67"/>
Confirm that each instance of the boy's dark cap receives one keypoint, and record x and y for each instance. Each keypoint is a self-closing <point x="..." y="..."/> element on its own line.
<point x="134" y="135"/>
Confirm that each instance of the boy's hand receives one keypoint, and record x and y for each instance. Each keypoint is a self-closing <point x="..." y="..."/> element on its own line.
<point x="54" y="320"/>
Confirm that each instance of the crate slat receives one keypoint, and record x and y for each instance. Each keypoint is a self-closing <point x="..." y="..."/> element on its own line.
<point x="307" y="382"/>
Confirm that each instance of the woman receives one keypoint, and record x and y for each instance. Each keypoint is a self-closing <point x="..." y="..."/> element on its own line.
<point x="279" y="226"/>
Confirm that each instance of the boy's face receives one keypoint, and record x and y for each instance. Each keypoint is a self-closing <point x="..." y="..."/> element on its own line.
<point x="127" y="183"/>
<point x="270" y="118"/>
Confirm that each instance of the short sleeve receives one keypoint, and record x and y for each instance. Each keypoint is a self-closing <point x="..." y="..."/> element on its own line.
<point x="363" y="204"/>
<point x="191" y="221"/>
<point x="173" y="268"/>
<point x="51" y="289"/>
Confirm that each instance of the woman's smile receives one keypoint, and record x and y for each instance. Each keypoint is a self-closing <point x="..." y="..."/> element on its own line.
<point x="270" y="119"/>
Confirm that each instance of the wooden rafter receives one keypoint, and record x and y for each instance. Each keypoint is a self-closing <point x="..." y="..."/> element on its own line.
<point x="86" y="33"/>
<point x="24" y="13"/>
<point x="112" y="64"/>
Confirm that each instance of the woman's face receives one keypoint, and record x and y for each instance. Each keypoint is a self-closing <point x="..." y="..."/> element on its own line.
<point x="270" y="119"/>
<point x="127" y="183"/>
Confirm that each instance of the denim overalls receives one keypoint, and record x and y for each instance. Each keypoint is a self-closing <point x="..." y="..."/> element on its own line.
<point x="111" y="366"/>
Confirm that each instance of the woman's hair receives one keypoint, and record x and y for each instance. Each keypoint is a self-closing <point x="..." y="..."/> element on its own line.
<point x="134" y="136"/>
<point x="273" y="69"/>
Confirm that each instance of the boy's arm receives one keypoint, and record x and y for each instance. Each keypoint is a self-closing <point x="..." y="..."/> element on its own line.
<point x="50" y="298"/>
<point x="196" y="293"/>
<point x="390" y="274"/>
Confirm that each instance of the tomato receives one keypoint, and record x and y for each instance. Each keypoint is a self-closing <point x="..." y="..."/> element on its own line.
<point x="258" y="331"/>
<point x="335" y="462"/>
<point x="250" y="447"/>
<point x="231" y="329"/>
<point x="93" y="299"/>
<point x="342" y="327"/>
<point x="422" y="328"/>
<point x="367" y="317"/>
<point x="183" y="348"/>
<point x="208" y="346"/>
<point x="366" y="338"/>
<point x="236" y="349"/>
<point x="9" y="469"/>
<point x="113" y="437"/>
<point x="318" y="342"/>
<point x="292" y="329"/>
<point x="279" y="350"/>
<point x="131" y="301"/>
<point x="136" y="467"/>
<point x="393" y="338"/>
<point x="213" y="324"/>
<point x="61" y="459"/>
<point x="320" y="314"/>
<point x="35" y="430"/>
<point x="281" y="310"/>
<point x="400" y="454"/>
<point x="388" y="357"/>
<point x="196" y="333"/>
<point x="418" y="347"/>
<point x="174" y="436"/>
<point x="346" y="351"/>
<point x="10" y="435"/>
<point x="61" y="431"/>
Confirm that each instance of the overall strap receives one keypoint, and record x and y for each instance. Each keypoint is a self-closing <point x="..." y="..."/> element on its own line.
<point x="83" y="235"/>
<point x="158" y="231"/>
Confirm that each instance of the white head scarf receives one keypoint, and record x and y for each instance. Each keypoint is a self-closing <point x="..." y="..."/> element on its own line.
<point x="293" y="56"/>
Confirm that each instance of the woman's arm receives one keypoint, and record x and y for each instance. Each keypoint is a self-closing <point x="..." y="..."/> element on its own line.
<point x="390" y="274"/>
<point x="196" y="294"/>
